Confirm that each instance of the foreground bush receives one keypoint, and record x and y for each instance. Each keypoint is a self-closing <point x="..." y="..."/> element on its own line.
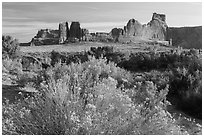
<point x="11" y="70"/>
<point x="84" y="99"/>
<point x="10" y="47"/>
<point x="160" y="67"/>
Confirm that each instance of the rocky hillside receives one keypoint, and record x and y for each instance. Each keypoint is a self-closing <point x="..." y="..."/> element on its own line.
<point x="186" y="37"/>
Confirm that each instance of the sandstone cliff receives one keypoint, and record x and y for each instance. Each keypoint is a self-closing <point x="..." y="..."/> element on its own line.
<point x="134" y="28"/>
<point x="63" y="32"/>
<point x="156" y="29"/>
<point x="47" y="33"/>
<point x="45" y="37"/>
<point x="116" y="33"/>
<point x="75" y="30"/>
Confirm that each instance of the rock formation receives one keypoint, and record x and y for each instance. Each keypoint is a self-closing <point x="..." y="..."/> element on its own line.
<point x="116" y="33"/>
<point x="45" y="37"/>
<point x="60" y="36"/>
<point x="134" y="28"/>
<point x="156" y="29"/>
<point x="63" y="32"/>
<point x="75" y="30"/>
<point x="85" y="36"/>
<point x="47" y="33"/>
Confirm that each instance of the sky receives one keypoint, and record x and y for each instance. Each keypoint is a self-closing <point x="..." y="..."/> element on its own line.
<point x="22" y="20"/>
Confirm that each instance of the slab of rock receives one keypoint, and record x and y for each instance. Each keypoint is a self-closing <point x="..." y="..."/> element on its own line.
<point x="75" y="30"/>
<point x="63" y="32"/>
<point x="47" y="33"/>
<point x="116" y="33"/>
<point x="156" y="29"/>
<point x="45" y="37"/>
<point x="134" y="28"/>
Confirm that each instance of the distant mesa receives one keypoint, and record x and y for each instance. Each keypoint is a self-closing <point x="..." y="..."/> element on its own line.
<point x="155" y="30"/>
<point x="186" y="37"/>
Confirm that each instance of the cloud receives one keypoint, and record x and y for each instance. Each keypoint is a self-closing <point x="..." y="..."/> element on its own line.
<point x="24" y="31"/>
<point x="16" y="18"/>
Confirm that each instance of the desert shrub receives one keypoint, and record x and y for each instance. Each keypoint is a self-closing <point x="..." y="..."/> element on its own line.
<point x="28" y="79"/>
<point x="10" y="47"/>
<point x="187" y="88"/>
<point x="8" y="113"/>
<point x="166" y="62"/>
<point x="13" y="67"/>
<point x="11" y="70"/>
<point x="59" y="110"/>
<point x="83" y="98"/>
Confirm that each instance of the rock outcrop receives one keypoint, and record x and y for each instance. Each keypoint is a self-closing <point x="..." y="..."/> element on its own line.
<point x="63" y="32"/>
<point x="75" y="30"/>
<point x="85" y="35"/>
<point x="116" y="33"/>
<point x="63" y="35"/>
<point x="47" y="33"/>
<point x="156" y="29"/>
<point x="134" y="28"/>
<point x="45" y="37"/>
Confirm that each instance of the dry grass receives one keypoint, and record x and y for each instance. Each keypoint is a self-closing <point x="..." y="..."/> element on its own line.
<point x="84" y="46"/>
<point x="73" y="47"/>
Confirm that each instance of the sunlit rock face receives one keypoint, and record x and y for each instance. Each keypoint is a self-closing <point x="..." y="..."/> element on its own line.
<point x="63" y="32"/>
<point x="134" y="28"/>
<point x="154" y="30"/>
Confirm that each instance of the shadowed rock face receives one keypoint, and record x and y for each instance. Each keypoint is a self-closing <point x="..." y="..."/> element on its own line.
<point x="45" y="37"/>
<point x="63" y="32"/>
<point x="75" y="30"/>
<point x="47" y="33"/>
<point x="116" y="32"/>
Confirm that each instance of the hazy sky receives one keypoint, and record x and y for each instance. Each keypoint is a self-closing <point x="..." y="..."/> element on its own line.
<point x="23" y="20"/>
